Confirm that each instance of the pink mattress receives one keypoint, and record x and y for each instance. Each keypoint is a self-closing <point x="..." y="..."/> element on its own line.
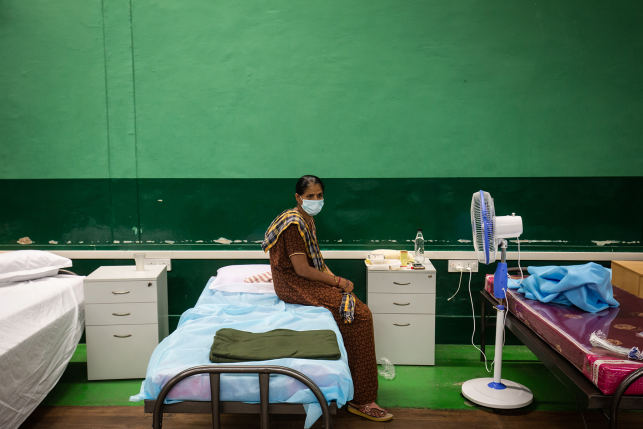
<point x="567" y="329"/>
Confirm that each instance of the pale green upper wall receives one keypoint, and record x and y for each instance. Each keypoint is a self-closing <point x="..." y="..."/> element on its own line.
<point x="52" y="89"/>
<point x="369" y="88"/>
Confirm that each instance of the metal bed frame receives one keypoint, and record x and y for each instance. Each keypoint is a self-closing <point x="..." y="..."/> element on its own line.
<point x="584" y="390"/>
<point x="216" y="406"/>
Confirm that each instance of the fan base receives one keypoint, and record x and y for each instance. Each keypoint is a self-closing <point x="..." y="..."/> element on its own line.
<point x="514" y="396"/>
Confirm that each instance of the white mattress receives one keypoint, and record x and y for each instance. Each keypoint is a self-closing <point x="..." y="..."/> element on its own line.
<point x="41" y="322"/>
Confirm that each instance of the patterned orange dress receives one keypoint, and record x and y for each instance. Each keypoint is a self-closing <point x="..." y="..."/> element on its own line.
<point x="358" y="336"/>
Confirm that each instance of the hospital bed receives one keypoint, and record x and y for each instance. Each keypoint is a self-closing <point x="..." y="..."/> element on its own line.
<point x="180" y="377"/>
<point x="559" y="336"/>
<point x="41" y="322"/>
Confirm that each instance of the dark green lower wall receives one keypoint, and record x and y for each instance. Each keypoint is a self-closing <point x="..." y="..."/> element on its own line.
<point x="572" y="213"/>
<point x="602" y="214"/>
<point x="453" y="318"/>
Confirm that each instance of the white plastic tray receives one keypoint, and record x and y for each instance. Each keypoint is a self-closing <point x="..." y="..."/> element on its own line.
<point x="390" y="264"/>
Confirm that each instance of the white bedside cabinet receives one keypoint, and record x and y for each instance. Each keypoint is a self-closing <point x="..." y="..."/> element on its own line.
<point x="403" y="307"/>
<point x="125" y="319"/>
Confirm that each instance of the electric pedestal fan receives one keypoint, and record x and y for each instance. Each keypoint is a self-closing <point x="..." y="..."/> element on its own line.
<point x="489" y="233"/>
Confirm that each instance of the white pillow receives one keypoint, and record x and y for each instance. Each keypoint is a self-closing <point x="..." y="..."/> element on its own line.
<point x="246" y="288"/>
<point x="231" y="279"/>
<point x="237" y="273"/>
<point x="24" y="265"/>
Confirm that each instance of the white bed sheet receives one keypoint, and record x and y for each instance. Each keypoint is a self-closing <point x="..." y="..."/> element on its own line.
<point x="41" y="322"/>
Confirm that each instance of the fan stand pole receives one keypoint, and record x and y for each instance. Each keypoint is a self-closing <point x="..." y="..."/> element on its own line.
<point x="497" y="369"/>
<point x="496" y="392"/>
<point x="500" y="290"/>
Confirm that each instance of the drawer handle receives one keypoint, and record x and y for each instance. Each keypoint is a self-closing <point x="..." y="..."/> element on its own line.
<point x="120" y="293"/>
<point x="123" y="336"/>
<point x="149" y="284"/>
<point x="397" y="303"/>
<point x="397" y="324"/>
<point x="430" y="276"/>
<point x="401" y="284"/>
<point x="121" y="314"/>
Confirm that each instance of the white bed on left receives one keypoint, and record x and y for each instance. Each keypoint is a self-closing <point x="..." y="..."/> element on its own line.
<point x="41" y="322"/>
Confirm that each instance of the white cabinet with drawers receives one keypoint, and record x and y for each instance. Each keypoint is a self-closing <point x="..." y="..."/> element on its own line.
<point x="125" y="319"/>
<point x="403" y="307"/>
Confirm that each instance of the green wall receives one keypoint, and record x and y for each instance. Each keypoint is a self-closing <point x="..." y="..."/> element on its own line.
<point x="276" y="89"/>
<point x="559" y="214"/>
<point x="140" y="124"/>
<point x="52" y="90"/>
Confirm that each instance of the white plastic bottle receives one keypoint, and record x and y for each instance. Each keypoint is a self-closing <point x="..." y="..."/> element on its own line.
<point x="419" y="248"/>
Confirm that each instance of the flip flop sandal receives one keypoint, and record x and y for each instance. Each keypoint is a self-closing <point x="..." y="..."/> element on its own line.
<point x="364" y="413"/>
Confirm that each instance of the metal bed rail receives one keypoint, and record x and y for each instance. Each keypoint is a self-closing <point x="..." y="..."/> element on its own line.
<point x="215" y="372"/>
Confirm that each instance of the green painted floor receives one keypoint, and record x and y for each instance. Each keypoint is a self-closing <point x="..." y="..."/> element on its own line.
<point x="436" y="387"/>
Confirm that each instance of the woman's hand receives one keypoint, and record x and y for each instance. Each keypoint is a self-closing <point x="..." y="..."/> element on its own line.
<point x="346" y="285"/>
<point x="302" y="269"/>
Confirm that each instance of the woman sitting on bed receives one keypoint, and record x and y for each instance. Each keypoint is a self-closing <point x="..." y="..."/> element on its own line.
<point x="300" y="276"/>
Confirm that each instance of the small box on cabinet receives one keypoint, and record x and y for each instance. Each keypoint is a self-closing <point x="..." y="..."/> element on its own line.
<point x="628" y="275"/>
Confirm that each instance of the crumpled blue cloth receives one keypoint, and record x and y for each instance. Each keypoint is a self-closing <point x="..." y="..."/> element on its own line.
<point x="588" y="287"/>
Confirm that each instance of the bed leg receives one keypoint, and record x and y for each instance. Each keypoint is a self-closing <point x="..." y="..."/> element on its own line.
<point x="618" y="394"/>
<point x="264" y="389"/>
<point x="215" y="381"/>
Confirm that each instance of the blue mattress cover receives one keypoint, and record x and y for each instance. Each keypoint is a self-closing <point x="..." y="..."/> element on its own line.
<point x="189" y="345"/>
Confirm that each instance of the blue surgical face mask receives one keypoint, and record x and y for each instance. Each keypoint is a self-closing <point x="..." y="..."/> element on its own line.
<point x="312" y="207"/>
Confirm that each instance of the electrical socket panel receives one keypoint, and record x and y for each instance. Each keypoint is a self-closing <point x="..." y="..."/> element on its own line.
<point x="166" y="262"/>
<point x="455" y="265"/>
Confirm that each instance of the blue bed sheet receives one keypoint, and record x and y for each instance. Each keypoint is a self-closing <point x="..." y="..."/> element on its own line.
<point x="190" y="344"/>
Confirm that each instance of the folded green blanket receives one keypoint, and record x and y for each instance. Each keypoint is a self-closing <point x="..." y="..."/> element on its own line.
<point x="232" y="345"/>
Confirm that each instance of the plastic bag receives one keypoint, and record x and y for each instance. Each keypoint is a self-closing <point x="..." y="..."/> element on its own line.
<point x="387" y="370"/>
<point x="599" y="339"/>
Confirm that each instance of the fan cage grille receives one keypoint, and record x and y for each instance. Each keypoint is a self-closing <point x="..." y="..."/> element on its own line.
<point x="484" y="244"/>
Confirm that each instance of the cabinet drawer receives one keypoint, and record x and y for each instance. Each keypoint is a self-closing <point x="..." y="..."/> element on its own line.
<point x="405" y="303"/>
<point x="123" y="291"/>
<point x="405" y="339"/>
<point x="127" y="356"/>
<point x="401" y="282"/>
<point x="128" y="313"/>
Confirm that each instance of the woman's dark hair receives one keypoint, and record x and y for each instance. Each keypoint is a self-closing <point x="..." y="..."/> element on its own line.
<point x="305" y="181"/>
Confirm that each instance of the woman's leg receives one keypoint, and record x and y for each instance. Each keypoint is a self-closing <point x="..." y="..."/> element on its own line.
<point x="359" y="342"/>
<point x="358" y="338"/>
<point x="360" y="347"/>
